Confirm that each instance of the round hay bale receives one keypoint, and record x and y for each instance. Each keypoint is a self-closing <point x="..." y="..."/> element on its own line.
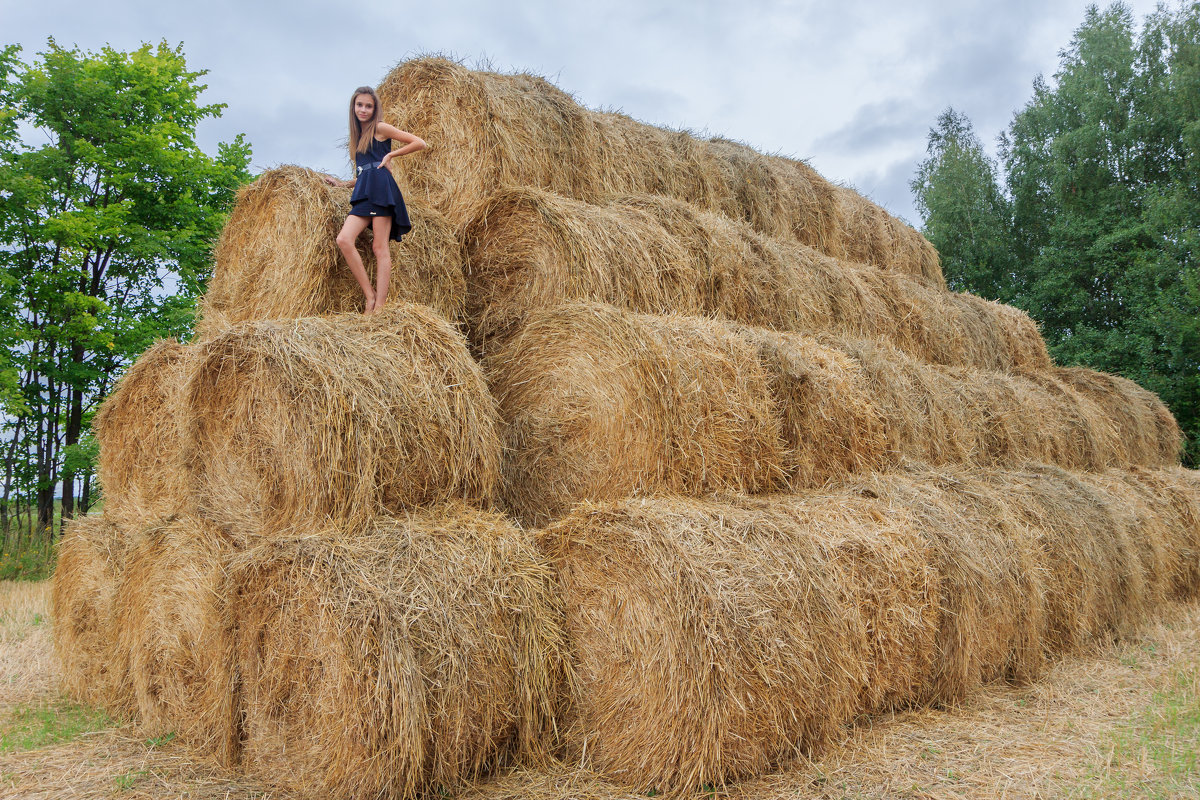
<point x="338" y="418"/>
<point x="831" y="423"/>
<point x="1145" y="425"/>
<point x="173" y="639"/>
<point x="277" y="257"/>
<point x="599" y="404"/>
<point x="484" y="130"/>
<point x="529" y="249"/>
<point x="713" y="641"/>
<point x="91" y="559"/>
<point x="411" y="656"/>
<point x="1174" y="492"/>
<point x="487" y="131"/>
<point x="996" y="336"/>
<point x="991" y="590"/>
<point x="1094" y="580"/>
<point x="139" y="429"/>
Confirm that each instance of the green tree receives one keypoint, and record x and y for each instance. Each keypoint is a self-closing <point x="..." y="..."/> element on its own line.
<point x="967" y="217"/>
<point x="108" y="210"/>
<point x="1101" y="200"/>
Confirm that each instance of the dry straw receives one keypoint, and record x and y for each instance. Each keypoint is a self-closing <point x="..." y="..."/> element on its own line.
<point x="91" y="558"/>
<point x="488" y="131"/>
<point x="291" y="423"/>
<point x="715" y="640"/>
<point x="277" y="258"/>
<point x="600" y="403"/>
<point x="138" y="428"/>
<point x="171" y="640"/>
<point x="529" y="249"/>
<point x="401" y="659"/>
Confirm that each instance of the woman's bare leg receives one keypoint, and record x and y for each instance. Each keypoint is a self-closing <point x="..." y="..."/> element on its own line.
<point x="345" y="242"/>
<point x="381" y="227"/>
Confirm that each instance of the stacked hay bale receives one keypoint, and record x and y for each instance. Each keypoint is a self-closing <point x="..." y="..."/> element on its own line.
<point x="490" y="130"/>
<point x="277" y="258"/>
<point x="782" y="477"/>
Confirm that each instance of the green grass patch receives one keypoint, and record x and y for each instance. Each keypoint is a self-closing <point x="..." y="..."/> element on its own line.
<point x="56" y="721"/>
<point x="32" y="561"/>
<point x="1157" y="754"/>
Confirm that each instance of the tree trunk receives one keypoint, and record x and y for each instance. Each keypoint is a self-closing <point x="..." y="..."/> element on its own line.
<point x="71" y="436"/>
<point x="85" y="494"/>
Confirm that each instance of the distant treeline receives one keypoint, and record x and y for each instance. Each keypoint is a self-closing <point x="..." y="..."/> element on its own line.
<point x="1090" y="218"/>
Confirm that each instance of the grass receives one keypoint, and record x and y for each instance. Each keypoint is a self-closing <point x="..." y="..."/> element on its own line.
<point x="31" y="561"/>
<point x="29" y="727"/>
<point x="1157" y="754"/>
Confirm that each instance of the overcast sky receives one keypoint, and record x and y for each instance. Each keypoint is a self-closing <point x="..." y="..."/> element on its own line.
<point x="851" y="86"/>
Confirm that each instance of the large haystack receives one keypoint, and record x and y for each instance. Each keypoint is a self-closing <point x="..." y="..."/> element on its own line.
<point x="139" y="430"/>
<point x="91" y="559"/>
<point x="277" y="258"/>
<point x="396" y="660"/>
<point x="295" y="422"/>
<point x="600" y="403"/>
<point x="172" y="641"/>
<point x="714" y="640"/>
<point x="488" y="131"/>
<point x="529" y="250"/>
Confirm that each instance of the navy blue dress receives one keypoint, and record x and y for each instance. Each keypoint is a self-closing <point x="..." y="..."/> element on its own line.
<point x="375" y="191"/>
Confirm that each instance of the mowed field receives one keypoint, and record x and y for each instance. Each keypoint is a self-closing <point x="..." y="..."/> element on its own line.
<point x="1122" y="720"/>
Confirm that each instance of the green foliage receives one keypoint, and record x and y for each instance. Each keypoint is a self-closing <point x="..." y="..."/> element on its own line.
<point x="29" y="727"/>
<point x="967" y="217"/>
<point x="1096" y="229"/>
<point x="107" y="219"/>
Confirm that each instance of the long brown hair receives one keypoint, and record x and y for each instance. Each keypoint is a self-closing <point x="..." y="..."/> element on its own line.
<point x="363" y="133"/>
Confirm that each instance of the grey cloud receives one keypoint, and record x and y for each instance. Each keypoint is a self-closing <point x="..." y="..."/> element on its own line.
<point x="875" y="126"/>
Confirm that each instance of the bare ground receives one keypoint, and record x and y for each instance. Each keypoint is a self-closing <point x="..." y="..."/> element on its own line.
<point x="1120" y="721"/>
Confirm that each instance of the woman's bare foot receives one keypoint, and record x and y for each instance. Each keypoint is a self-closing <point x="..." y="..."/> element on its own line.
<point x="369" y="306"/>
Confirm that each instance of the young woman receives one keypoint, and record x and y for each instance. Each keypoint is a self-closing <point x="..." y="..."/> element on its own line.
<point x="376" y="200"/>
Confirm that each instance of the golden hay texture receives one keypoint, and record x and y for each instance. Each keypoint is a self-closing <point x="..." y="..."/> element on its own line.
<point x="488" y="131"/>
<point x="409" y="657"/>
<point x="600" y="403"/>
<point x="171" y="640"/>
<point x="528" y="249"/>
<point x="91" y="558"/>
<point x="138" y="429"/>
<point x="277" y="258"/>
<point x="714" y="640"/>
<point x="291" y="423"/>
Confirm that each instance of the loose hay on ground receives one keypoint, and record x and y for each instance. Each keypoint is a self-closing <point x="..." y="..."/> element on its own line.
<point x="411" y="656"/>
<point x="291" y="423"/>
<point x="277" y="257"/>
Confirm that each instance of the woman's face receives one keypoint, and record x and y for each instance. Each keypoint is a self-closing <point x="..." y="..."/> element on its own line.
<point x="364" y="107"/>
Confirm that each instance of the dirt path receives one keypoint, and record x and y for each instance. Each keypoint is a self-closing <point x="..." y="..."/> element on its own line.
<point x="1122" y="721"/>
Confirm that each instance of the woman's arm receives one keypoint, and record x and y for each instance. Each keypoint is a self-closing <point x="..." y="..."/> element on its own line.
<point x="332" y="181"/>
<point x="411" y="143"/>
